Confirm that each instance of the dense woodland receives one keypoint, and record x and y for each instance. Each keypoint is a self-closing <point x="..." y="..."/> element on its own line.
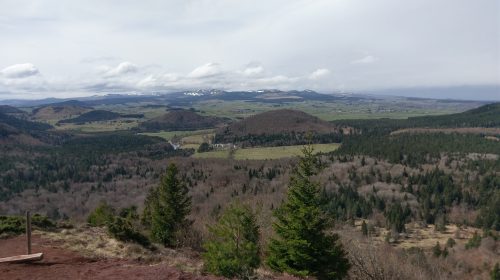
<point x="484" y="116"/>
<point x="78" y="160"/>
<point x="279" y="139"/>
<point x="92" y="116"/>
<point x="279" y="128"/>
<point x="181" y="120"/>
<point x="416" y="149"/>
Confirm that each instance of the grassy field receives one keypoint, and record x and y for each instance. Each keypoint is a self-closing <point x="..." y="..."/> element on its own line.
<point x="134" y="108"/>
<point x="267" y="152"/>
<point x="198" y="139"/>
<point x="213" y="154"/>
<point x="190" y="146"/>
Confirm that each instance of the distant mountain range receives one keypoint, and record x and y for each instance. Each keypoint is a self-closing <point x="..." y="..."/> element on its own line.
<point x="182" y="98"/>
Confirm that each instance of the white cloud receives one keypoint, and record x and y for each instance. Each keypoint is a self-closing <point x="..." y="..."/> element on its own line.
<point x="253" y="70"/>
<point x="18" y="71"/>
<point x="158" y="81"/>
<point x="365" y="60"/>
<point x="276" y="81"/>
<point x="121" y="69"/>
<point x="207" y="70"/>
<point x="319" y="74"/>
<point x="149" y="81"/>
<point x="171" y="77"/>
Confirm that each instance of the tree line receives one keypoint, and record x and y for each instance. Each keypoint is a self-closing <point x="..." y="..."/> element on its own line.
<point x="279" y="139"/>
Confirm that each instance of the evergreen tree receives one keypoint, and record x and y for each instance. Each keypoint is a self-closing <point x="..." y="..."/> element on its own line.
<point x="204" y="147"/>
<point x="444" y="253"/>
<point x="301" y="246"/>
<point x="233" y="249"/>
<point x="495" y="272"/>
<point x="474" y="242"/>
<point x="436" y="250"/>
<point x="148" y="205"/>
<point x="396" y="217"/>
<point x="169" y="208"/>
<point x="450" y="242"/>
<point x="364" y="228"/>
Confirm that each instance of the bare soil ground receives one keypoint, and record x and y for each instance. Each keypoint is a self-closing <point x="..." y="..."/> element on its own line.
<point x="60" y="263"/>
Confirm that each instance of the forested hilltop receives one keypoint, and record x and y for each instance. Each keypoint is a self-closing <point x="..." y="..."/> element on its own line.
<point x="483" y="116"/>
<point x="379" y="138"/>
<point x="279" y="128"/>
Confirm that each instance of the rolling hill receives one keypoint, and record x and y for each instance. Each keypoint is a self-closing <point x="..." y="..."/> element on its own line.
<point x="19" y="131"/>
<point x="279" y="121"/>
<point x="62" y="110"/>
<point x="418" y="139"/>
<point x="23" y="125"/>
<point x="181" y="120"/>
<point x="278" y="127"/>
<point x="487" y="116"/>
<point x="6" y="109"/>
<point x="93" y="116"/>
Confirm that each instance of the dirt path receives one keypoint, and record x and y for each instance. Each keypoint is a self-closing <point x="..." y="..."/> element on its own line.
<point x="60" y="263"/>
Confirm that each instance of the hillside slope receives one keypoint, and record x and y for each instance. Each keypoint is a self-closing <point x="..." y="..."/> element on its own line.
<point x="181" y="120"/>
<point x="278" y="127"/>
<point x="422" y="139"/>
<point x="279" y="121"/>
<point x="93" y="116"/>
<point x="23" y="125"/>
<point x="484" y="116"/>
<point x="6" y="109"/>
<point x="59" y="111"/>
<point x="19" y="131"/>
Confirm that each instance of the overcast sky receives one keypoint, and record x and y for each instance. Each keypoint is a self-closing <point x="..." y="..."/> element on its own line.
<point x="87" y="47"/>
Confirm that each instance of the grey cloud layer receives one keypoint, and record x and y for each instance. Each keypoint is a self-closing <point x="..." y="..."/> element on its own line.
<point x="75" y="47"/>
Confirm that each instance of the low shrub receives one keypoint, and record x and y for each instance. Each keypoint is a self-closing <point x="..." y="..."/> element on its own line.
<point x="11" y="225"/>
<point x="102" y="215"/>
<point x="474" y="242"/>
<point x="119" y="226"/>
<point x="14" y="225"/>
<point x="123" y="230"/>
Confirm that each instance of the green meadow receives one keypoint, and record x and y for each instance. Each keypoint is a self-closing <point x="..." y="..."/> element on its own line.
<point x="263" y="153"/>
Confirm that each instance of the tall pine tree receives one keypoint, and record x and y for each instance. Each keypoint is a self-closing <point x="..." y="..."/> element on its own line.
<point x="302" y="247"/>
<point x="168" y="208"/>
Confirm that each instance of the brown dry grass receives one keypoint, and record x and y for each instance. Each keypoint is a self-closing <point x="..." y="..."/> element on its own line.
<point x="93" y="242"/>
<point x="411" y="257"/>
<point x="424" y="236"/>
